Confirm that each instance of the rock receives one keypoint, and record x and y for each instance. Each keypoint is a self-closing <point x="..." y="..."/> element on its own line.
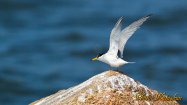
<point x="107" y="88"/>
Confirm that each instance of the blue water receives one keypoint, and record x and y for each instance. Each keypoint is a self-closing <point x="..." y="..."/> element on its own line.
<point x="46" y="46"/>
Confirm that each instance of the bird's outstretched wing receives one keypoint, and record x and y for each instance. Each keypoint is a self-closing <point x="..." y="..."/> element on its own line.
<point x="128" y="32"/>
<point x="114" y="38"/>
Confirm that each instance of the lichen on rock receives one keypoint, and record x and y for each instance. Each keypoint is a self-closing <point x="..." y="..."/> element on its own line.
<point x="107" y="88"/>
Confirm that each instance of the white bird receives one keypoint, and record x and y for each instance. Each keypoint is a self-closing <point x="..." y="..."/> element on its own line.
<point x="118" y="39"/>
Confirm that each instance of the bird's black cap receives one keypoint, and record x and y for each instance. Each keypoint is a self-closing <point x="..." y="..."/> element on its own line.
<point x="100" y="54"/>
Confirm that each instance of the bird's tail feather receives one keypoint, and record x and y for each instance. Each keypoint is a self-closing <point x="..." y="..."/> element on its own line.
<point x="131" y="62"/>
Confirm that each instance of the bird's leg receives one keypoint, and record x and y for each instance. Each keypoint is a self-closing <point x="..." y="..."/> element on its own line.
<point x="118" y="70"/>
<point x="110" y="67"/>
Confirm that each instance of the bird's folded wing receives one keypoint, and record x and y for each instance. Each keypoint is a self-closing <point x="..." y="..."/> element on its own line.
<point x="128" y="32"/>
<point x="114" y="38"/>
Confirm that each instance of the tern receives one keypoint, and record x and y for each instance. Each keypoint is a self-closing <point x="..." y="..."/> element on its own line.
<point x="118" y="39"/>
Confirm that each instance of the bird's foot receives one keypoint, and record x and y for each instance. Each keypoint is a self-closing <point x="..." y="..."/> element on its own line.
<point x="119" y="71"/>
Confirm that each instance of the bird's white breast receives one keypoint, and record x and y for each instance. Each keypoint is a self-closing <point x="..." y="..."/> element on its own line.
<point x="113" y="60"/>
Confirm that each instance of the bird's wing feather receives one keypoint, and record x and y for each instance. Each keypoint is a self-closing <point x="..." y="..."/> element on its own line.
<point x="114" y="38"/>
<point x="128" y="32"/>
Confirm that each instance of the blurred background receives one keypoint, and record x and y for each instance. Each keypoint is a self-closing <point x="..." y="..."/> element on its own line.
<point x="46" y="45"/>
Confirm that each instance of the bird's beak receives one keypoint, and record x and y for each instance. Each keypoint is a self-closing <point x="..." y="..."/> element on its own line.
<point x="93" y="59"/>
